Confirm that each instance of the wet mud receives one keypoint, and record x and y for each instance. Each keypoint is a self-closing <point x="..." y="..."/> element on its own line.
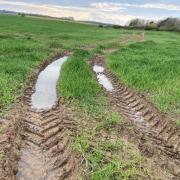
<point x="36" y="143"/>
<point x="44" y="152"/>
<point x="152" y="130"/>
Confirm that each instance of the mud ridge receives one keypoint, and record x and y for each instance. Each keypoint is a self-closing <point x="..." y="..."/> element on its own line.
<point x="150" y="125"/>
<point x="44" y="151"/>
<point x="38" y="145"/>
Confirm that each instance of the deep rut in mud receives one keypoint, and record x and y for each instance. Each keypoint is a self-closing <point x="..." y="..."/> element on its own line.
<point x="149" y="123"/>
<point x="44" y="153"/>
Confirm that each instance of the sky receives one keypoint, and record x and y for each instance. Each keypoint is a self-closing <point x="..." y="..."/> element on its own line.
<point x="107" y="11"/>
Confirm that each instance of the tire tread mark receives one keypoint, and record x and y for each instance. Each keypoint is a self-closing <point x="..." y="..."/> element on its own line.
<point x="132" y="104"/>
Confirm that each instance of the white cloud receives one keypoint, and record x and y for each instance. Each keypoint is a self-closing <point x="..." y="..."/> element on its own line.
<point x="107" y="6"/>
<point x="171" y="7"/>
<point x="118" y="6"/>
<point x="103" y="12"/>
<point x="46" y="9"/>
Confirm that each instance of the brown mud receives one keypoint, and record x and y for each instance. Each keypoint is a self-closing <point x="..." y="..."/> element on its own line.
<point x="154" y="133"/>
<point x="35" y="145"/>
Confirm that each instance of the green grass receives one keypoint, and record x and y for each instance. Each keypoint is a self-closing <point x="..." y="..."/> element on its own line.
<point x="108" y="122"/>
<point x="79" y="84"/>
<point x="152" y="67"/>
<point x="108" y="159"/>
<point x="1" y="130"/>
<point x="1" y="156"/>
<point x="27" y="41"/>
<point x="178" y="123"/>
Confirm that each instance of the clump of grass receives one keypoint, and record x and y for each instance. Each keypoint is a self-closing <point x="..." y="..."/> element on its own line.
<point x="1" y="156"/>
<point x="108" y="159"/>
<point x="77" y="82"/>
<point x="109" y="121"/>
<point x="178" y="123"/>
<point x="55" y="44"/>
<point x="1" y="130"/>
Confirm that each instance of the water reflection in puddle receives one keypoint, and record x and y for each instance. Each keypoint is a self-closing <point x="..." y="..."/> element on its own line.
<point x="98" y="69"/>
<point x="45" y="90"/>
<point x="102" y="79"/>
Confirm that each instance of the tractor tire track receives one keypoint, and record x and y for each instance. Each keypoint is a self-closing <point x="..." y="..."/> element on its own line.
<point x="146" y="119"/>
<point x="45" y="153"/>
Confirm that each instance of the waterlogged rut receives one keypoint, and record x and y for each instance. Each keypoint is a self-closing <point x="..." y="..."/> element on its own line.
<point x="103" y="80"/>
<point x="150" y="125"/>
<point x="44" y="153"/>
<point x="45" y="94"/>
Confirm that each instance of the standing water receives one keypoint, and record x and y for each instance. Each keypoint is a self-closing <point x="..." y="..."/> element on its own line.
<point x="102" y="79"/>
<point x="39" y="159"/>
<point x="45" y="90"/>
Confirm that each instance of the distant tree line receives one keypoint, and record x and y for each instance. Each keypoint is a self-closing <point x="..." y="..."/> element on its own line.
<point x="39" y="15"/>
<point x="168" y="24"/>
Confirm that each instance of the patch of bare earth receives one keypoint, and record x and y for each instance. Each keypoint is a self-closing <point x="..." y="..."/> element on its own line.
<point x="35" y="145"/>
<point x="145" y="126"/>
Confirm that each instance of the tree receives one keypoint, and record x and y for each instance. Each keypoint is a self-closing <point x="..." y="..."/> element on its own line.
<point x="138" y="23"/>
<point x="21" y="14"/>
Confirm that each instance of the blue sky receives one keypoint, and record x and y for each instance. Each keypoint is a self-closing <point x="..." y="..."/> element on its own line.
<point x="108" y="11"/>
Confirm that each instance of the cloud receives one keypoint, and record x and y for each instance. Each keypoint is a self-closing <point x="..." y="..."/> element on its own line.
<point x="120" y="6"/>
<point x="102" y="12"/>
<point x="46" y="9"/>
<point x="171" y="7"/>
<point x="108" y="6"/>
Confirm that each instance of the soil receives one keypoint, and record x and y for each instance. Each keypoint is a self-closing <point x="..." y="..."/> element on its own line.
<point x="35" y="145"/>
<point x="156" y="136"/>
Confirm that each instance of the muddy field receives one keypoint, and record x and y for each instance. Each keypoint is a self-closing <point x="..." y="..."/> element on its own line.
<point x="36" y="144"/>
<point x="75" y="118"/>
<point x="155" y="133"/>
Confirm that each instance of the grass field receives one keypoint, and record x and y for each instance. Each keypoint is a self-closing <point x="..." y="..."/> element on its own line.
<point x="25" y="42"/>
<point x="152" y="67"/>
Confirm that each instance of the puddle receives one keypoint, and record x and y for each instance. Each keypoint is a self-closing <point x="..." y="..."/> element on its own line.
<point x="45" y="94"/>
<point x="98" y="69"/>
<point x="105" y="82"/>
<point x="102" y="79"/>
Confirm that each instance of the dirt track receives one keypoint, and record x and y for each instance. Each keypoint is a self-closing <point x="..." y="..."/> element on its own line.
<point x="36" y="143"/>
<point x="152" y="129"/>
<point x="44" y="151"/>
